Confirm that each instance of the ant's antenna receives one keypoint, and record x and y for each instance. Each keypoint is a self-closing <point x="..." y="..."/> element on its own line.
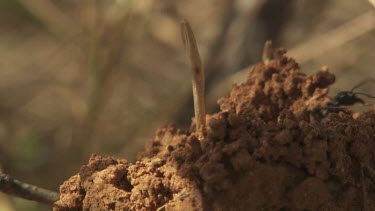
<point x="362" y="83"/>
<point x="364" y="94"/>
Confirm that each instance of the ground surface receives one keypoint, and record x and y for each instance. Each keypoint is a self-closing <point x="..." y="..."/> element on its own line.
<point x="268" y="148"/>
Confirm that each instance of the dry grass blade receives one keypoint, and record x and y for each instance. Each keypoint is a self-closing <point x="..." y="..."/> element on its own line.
<point x="198" y="74"/>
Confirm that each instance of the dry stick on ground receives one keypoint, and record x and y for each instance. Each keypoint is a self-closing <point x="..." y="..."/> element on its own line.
<point x="17" y="188"/>
<point x="6" y="200"/>
<point x="190" y="45"/>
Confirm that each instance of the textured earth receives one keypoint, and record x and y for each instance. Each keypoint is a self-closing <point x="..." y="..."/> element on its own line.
<point x="269" y="148"/>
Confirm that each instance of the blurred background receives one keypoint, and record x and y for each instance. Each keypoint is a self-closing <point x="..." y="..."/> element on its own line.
<point x="78" y="77"/>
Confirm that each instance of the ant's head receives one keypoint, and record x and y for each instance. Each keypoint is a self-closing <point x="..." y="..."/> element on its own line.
<point x="347" y="98"/>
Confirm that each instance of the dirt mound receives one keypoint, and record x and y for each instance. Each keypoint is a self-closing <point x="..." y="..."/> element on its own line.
<point x="268" y="148"/>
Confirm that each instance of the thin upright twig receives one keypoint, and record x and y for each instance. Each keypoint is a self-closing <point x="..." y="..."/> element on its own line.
<point x="17" y="188"/>
<point x="267" y="52"/>
<point x="198" y="74"/>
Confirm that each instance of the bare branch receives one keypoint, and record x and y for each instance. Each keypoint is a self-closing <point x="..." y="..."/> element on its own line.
<point x="198" y="74"/>
<point x="17" y="188"/>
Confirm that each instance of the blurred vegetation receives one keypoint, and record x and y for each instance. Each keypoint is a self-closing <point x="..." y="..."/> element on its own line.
<point x="78" y="77"/>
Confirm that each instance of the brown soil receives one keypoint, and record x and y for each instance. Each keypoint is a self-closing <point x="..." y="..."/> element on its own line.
<point x="267" y="149"/>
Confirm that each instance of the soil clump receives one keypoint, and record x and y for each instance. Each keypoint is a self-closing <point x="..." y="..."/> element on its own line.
<point x="268" y="148"/>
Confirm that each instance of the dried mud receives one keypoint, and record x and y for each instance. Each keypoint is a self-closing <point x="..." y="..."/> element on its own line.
<point x="268" y="148"/>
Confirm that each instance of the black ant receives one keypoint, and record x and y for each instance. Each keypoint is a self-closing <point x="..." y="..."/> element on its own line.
<point x="345" y="98"/>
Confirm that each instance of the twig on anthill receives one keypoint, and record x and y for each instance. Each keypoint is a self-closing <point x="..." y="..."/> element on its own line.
<point x="267" y="52"/>
<point x="198" y="74"/>
<point x="17" y="188"/>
